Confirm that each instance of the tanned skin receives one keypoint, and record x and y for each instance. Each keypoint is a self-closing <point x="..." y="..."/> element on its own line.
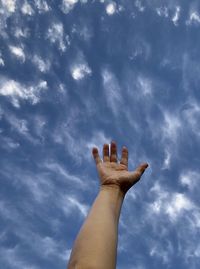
<point x="96" y="244"/>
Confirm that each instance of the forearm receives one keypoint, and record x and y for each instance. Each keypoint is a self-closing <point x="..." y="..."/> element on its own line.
<point x="96" y="243"/>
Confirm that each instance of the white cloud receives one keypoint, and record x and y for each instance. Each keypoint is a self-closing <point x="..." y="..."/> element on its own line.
<point x="179" y="203"/>
<point x="56" y="35"/>
<point x="27" y="9"/>
<point x="39" y="187"/>
<point x="139" y="48"/>
<point x="18" y="52"/>
<point x="38" y="184"/>
<point x="139" y="5"/>
<point x="38" y="126"/>
<point x="162" y="12"/>
<point x="68" y="5"/>
<point x="79" y="68"/>
<point x="42" y="65"/>
<point x="190" y="179"/>
<point x="42" y="6"/>
<point x="9" y="144"/>
<point x="144" y="85"/>
<point x="15" y="91"/>
<point x="84" y="30"/>
<point x="48" y="246"/>
<point x="67" y="135"/>
<point x="8" y="212"/>
<point x="176" y="16"/>
<point x="18" y="125"/>
<point x="194" y="18"/>
<point x="7" y="9"/>
<point x="10" y="5"/>
<point x="111" y="8"/>
<point x="97" y="140"/>
<point x="192" y="115"/>
<point x="1" y="62"/>
<point x="41" y="245"/>
<point x="172" y="125"/>
<point x="173" y="204"/>
<point x="21" y="32"/>
<point x="80" y="206"/>
<point x="80" y="71"/>
<point x="70" y="203"/>
<point x="62" y="88"/>
<point x="66" y="255"/>
<point x="52" y="165"/>
<point x="112" y="91"/>
<point x="167" y="159"/>
<point x="162" y="251"/>
<point x="10" y="254"/>
<point x="195" y="222"/>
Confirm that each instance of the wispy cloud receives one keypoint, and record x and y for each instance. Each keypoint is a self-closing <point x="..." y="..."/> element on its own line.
<point x="70" y="203"/>
<point x="129" y="72"/>
<point x="167" y="158"/>
<point x="176" y="16"/>
<point x="191" y="114"/>
<point x="23" y="32"/>
<point x="42" y="6"/>
<point x="189" y="178"/>
<point x="8" y="143"/>
<point x="64" y="175"/>
<point x="2" y="63"/>
<point x="112" y="91"/>
<point x="139" y="5"/>
<point x="16" y="92"/>
<point x="162" y="11"/>
<point x="83" y="29"/>
<point x="10" y="5"/>
<point x="172" y="204"/>
<point x="194" y="18"/>
<point x="13" y="254"/>
<point x="172" y="125"/>
<point x="67" y="135"/>
<point x="170" y="12"/>
<point x="68" y="5"/>
<point x="163" y="251"/>
<point x="43" y="65"/>
<point x="57" y="36"/>
<point x="27" y="9"/>
<point x="18" y="52"/>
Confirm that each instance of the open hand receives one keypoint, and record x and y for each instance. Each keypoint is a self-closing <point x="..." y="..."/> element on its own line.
<point x="114" y="173"/>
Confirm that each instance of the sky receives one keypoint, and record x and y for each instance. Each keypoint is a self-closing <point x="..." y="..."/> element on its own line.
<point x="76" y="74"/>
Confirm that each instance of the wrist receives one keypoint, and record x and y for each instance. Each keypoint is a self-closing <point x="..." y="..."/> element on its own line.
<point x="113" y="189"/>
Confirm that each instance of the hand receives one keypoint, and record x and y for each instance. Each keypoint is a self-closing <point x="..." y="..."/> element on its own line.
<point x="113" y="173"/>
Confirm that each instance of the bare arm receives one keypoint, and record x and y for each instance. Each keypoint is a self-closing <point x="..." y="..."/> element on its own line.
<point x="96" y="244"/>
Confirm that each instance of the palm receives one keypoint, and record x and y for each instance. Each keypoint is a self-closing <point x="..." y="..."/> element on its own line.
<point x="112" y="172"/>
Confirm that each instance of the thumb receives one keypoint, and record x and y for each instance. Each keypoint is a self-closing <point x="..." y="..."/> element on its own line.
<point x="136" y="175"/>
<point x="141" y="168"/>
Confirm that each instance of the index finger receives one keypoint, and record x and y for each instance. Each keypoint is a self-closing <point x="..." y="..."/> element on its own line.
<point x="96" y="155"/>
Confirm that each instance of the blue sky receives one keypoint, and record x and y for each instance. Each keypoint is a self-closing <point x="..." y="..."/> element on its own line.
<point x="77" y="74"/>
